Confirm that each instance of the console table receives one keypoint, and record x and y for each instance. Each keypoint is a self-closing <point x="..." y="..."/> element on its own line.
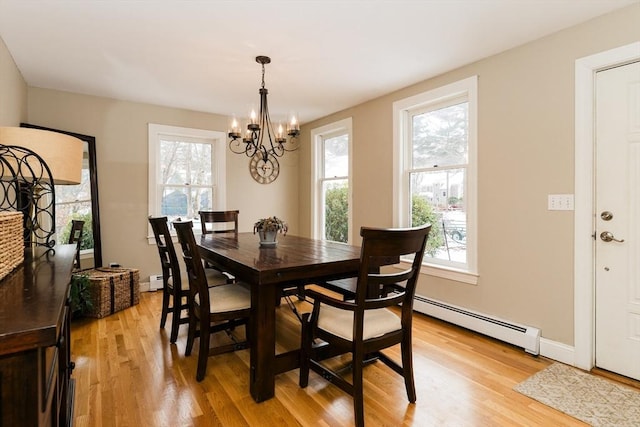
<point x="36" y="388"/>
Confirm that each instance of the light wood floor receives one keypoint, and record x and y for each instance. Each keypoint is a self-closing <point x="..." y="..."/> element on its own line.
<point x="127" y="374"/>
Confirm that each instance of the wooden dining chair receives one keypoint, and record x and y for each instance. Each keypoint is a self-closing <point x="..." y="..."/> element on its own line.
<point x="212" y="309"/>
<point x="365" y="326"/>
<point x="75" y="236"/>
<point x="175" y="291"/>
<point x="174" y="294"/>
<point x="219" y="222"/>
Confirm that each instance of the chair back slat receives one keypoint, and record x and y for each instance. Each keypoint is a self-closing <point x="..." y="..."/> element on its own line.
<point x="75" y="236"/>
<point x="198" y="285"/>
<point x="220" y="221"/>
<point x="388" y="243"/>
<point x="167" y="252"/>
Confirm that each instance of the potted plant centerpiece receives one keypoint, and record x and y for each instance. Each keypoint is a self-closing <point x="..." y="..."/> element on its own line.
<point x="268" y="228"/>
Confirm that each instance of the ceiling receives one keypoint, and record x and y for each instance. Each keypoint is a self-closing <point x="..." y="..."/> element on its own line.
<point x="327" y="55"/>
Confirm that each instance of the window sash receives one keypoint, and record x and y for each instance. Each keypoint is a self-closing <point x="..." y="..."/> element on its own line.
<point x="320" y="180"/>
<point x="404" y="110"/>
<point x="215" y="181"/>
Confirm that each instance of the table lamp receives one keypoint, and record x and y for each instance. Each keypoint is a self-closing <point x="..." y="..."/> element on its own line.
<point x="32" y="161"/>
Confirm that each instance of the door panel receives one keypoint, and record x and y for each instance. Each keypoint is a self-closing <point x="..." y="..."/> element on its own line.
<point x="617" y="219"/>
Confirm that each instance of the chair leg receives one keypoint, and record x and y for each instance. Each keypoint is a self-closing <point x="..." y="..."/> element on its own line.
<point x="407" y="367"/>
<point x="191" y="335"/>
<point x="305" y="351"/>
<point x="358" y="395"/>
<point x="165" y="307"/>
<point x="203" y="352"/>
<point x="175" y="321"/>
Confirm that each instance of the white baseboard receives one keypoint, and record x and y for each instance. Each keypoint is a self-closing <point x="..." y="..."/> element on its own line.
<point x="557" y="351"/>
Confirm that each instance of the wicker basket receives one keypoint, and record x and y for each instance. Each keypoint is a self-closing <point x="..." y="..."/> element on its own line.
<point x="11" y="242"/>
<point x="112" y="290"/>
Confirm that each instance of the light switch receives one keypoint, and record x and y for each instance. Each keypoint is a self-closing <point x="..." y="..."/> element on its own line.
<point x="560" y="202"/>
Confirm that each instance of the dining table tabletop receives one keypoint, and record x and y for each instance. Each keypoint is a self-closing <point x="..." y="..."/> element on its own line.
<point x="294" y="261"/>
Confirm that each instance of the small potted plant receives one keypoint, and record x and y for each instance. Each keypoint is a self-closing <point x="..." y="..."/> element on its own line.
<point x="80" y="295"/>
<point x="268" y="228"/>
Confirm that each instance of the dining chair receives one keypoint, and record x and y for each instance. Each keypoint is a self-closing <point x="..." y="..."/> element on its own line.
<point x="75" y="236"/>
<point x="175" y="291"/>
<point x="212" y="309"/>
<point x="366" y="325"/>
<point x="219" y="222"/>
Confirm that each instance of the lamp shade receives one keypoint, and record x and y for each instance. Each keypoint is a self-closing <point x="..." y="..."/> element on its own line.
<point x="62" y="153"/>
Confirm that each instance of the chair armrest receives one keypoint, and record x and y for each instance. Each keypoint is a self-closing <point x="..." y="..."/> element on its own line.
<point x="319" y="297"/>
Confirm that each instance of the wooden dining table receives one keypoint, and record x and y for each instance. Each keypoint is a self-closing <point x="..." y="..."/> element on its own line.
<point x="294" y="261"/>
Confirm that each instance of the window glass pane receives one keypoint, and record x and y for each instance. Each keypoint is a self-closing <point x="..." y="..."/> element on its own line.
<point x="437" y="197"/>
<point x="336" y="156"/>
<point x="185" y="163"/>
<point x="336" y="210"/>
<point x="440" y="137"/>
<point x="174" y="202"/>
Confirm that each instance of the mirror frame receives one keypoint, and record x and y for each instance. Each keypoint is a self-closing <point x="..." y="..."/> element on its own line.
<point x="93" y="176"/>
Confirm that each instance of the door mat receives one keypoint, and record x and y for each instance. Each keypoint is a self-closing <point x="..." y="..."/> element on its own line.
<point x="594" y="400"/>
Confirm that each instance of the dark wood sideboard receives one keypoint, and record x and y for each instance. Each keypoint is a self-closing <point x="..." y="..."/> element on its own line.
<point x="36" y="388"/>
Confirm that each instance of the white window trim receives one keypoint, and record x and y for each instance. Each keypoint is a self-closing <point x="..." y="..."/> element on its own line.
<point x="469" y="88"/>
<point x="219" y="155"/>
<point x="317" y="135"/>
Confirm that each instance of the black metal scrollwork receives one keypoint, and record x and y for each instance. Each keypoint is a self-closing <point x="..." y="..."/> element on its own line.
<point x="26" y="186"/>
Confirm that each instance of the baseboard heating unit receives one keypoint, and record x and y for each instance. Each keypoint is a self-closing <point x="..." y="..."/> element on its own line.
<point x="523" y="336"/>
<point x="155" y="282"/>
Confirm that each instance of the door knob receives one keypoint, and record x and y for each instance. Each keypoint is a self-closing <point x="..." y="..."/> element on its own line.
<point x="607" y="236"/>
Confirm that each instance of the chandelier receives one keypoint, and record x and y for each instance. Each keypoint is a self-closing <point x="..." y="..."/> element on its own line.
<point x="261" y="142"/>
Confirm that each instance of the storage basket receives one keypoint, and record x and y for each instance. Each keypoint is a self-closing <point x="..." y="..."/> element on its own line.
<point x="112" y="289"/>
<point x="11" y="242"/>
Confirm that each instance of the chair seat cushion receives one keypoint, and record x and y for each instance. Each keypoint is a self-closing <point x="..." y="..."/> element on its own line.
<point x="340" y="322"/>
<point x="228" y="298"/>
<point x="215" y="277"/>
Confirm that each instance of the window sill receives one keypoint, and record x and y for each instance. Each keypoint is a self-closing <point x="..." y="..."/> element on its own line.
<point x="450" y="274"/>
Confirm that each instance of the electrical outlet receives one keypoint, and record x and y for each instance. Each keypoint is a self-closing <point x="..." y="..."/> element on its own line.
<point x="560" y="202"/>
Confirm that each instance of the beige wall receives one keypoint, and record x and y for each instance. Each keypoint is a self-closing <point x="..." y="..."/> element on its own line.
<point x="526" y="148"/>
<point x="120" y="129"/>
<point x="13" y="90"/>
<point x="525" y="153"/>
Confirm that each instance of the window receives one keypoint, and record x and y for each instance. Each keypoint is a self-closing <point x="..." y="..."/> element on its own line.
<point x="331" y="203"/>
<point x="435" y="174"/>
<point x="186" y="172"/>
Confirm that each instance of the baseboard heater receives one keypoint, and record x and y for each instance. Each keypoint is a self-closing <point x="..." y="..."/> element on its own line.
<point x="155" y="282"/>
<point x="523" y="336"/>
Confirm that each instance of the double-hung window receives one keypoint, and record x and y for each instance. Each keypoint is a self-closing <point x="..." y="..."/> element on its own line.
<point x="435" y="179"/>
<point x="331" y="195"/>
<point x="186" y="172"/>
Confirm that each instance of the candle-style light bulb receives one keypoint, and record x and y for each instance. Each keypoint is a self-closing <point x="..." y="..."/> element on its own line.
<point x="293" y="129"/>
<point x="234" y="128"/>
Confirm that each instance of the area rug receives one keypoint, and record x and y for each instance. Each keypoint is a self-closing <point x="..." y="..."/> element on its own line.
<point x="594" y="400"/>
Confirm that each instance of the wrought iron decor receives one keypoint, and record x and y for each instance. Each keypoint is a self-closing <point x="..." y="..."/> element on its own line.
<point x="26" y="185"/>
<point x="261" y="142"/>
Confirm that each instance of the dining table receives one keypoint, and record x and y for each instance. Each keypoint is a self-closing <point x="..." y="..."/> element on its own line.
<point x="294" y="261"/>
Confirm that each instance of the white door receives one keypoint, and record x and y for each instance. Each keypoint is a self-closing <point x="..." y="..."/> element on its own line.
<point x="617" y="219"/>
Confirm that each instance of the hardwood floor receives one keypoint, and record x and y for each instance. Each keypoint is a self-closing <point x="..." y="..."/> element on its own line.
<point x="128" y="374"/>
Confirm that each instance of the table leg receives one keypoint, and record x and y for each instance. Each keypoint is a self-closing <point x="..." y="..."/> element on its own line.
<point x="263" y="345"/>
